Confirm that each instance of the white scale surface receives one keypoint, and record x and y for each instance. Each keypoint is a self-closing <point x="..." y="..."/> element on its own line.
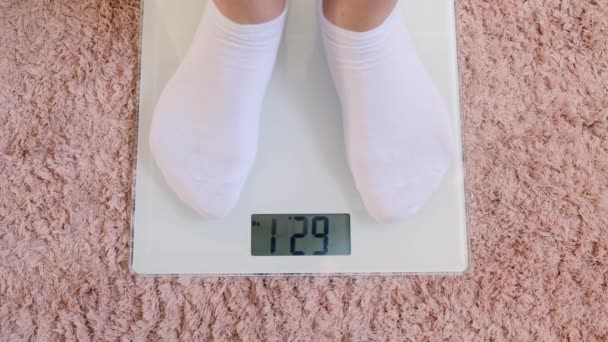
<point x="301" y="165"/>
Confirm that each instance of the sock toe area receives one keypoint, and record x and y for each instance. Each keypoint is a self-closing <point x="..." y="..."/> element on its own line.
<point x="217" y="200"/>
<point x="210" y="199"/>
<point x="394" y="204"/>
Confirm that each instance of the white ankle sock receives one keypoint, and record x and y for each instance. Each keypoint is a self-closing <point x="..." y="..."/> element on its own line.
<point x="397" y="133"/>
<point x="205" y="127"/>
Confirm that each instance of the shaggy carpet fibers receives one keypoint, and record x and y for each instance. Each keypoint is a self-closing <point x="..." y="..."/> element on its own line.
<point x="535" y="93"/>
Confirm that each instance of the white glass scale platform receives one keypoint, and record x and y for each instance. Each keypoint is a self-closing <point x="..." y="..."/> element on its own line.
<point x="301" y="175"/>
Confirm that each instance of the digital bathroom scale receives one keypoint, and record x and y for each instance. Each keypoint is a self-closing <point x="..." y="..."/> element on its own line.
<point x="299" y="212"/>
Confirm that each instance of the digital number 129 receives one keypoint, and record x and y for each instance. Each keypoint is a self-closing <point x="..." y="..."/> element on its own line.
<point x="303" y="220"/>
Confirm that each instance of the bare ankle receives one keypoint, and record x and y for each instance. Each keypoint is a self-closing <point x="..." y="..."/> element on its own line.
<point x="358" y="15"/>
<point x="250" y="11"/>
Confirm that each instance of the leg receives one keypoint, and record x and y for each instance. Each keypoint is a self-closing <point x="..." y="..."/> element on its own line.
<point x="397" y="129"/>
<point x="358" y="15"/>
<point x="250" y="11"/>
<point x="204" y="131"/>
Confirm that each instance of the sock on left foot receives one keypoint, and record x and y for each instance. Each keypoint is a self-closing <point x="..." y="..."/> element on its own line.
<point x="204" y="131"/>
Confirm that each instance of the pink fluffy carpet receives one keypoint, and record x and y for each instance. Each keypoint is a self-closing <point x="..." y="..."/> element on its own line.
<point x="535" y="96"/>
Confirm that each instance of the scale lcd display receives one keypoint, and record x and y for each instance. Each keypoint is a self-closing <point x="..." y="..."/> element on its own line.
<point x="300" y="235"/>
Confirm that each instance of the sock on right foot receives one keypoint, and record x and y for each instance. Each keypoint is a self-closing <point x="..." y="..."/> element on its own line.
<point x="397" y="130"/>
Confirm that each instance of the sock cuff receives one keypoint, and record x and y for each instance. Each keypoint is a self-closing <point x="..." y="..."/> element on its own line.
<point x="344" y="38"/>
<point x="252" y="34"/>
